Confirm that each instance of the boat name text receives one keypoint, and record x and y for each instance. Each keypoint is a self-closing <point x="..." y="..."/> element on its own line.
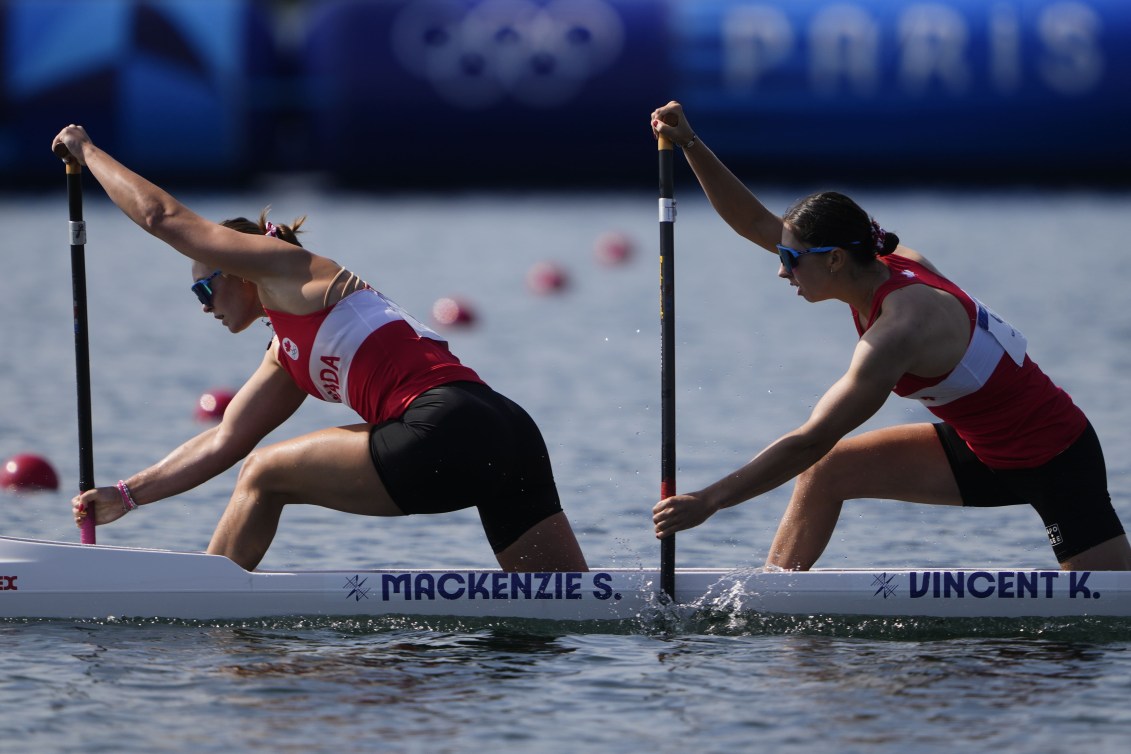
<point x="1002" y="584"/>
<point x="496" y="586"/>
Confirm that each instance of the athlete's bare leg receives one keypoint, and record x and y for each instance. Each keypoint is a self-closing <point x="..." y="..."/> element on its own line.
<point x="905" y="462"/>
<point x="547" y="546"/>
<point x="1112" y="555"/>
<point x="331" y="468"/>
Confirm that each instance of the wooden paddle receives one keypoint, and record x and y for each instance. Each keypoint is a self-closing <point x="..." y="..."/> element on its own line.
<point x="82" y="345"/>
<point x="667" y="355"/>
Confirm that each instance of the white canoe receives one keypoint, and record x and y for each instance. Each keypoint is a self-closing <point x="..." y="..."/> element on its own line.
<point x="42" y="579"/>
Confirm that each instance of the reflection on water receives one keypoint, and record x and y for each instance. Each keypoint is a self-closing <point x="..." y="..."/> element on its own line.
<point x="422" y="680"/>
<point x="425" y="653"/>
<point x="940" y="684"/>
<point x="969" y="692"/>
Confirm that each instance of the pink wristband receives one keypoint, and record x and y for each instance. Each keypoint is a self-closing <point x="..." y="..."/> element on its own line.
<point x="128" y="502"/>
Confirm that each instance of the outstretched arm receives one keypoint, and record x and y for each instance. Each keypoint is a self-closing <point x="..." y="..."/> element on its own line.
<point x="734" y="203"/>
<point x="156" y="211"/>
<point x="265" y="401"/>
<point x="881" y="357"/>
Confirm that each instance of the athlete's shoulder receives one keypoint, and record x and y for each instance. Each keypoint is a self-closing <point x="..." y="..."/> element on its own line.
<point x="911" y="255"/>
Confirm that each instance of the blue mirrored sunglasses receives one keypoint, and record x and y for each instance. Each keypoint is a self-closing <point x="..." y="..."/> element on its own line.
<point x="203" y="289"/>
<point x="789" y="256"/>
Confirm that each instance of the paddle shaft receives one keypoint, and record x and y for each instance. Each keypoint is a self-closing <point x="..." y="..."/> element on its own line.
<point x="82" y="345"/>
<point x="667" y="354"/>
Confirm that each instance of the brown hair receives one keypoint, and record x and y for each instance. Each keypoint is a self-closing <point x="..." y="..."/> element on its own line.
<point x="829" y="218"/>
<point x="288" y="233"/>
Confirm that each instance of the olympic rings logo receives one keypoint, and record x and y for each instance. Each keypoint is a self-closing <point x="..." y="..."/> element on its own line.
<point x="538" y="54"/>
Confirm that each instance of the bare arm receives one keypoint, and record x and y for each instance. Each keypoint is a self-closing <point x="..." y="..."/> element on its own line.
<point x="255" y="258"/>
<point x="734" y="203"/>
<point x="265" y="401"/>
<point x="880" y="359"/>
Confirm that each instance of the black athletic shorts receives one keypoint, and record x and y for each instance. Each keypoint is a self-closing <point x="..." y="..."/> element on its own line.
<point x="463" y="444"/>
<point x="1069" y="492"/>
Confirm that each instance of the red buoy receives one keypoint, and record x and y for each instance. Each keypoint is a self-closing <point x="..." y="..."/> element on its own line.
<point x="547" y="277"/>
<point x="212" y="404"/>
<point x="453" y="312"/>
<point x="28" y="473"/>
<point x="613" y="248"/>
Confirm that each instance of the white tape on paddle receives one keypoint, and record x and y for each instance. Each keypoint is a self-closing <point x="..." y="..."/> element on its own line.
<point x="667" y="210"/>
<point x="78" y="232"/>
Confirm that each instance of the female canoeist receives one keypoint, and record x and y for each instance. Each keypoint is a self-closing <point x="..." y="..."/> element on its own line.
<point x="1008" y="435"/>
<point x="435" y="438"/>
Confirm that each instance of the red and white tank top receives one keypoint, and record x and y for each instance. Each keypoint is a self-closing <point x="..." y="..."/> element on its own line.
<point x="997" y="399"/>
<point x="365" y="352"/>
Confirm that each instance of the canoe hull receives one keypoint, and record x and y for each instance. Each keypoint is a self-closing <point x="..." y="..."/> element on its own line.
<point x="42" y="579"/>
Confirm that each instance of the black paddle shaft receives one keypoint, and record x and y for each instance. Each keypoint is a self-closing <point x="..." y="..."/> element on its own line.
<point x="77" y="228"/>
<point x="667" y="355"/>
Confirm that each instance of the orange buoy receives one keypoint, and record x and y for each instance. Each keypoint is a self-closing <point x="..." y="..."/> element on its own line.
<point x="453" y="312"/>
<point x="28" y="473"/>
<point x="212" y="404"/>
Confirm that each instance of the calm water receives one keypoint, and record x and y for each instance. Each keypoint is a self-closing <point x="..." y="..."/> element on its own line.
<point x="752" y="359"/>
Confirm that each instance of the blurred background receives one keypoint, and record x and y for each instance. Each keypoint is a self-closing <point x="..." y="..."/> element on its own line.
<point x="390" y="94"/>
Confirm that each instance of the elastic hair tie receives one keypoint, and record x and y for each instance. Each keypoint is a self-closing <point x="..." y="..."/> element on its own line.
<point x="272" y="230"/>
<point x="878" y="237"/>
